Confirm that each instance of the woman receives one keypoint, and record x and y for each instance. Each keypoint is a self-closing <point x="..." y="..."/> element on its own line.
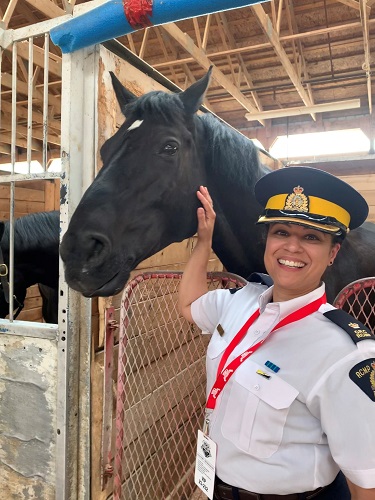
<point x="287" y="414"/>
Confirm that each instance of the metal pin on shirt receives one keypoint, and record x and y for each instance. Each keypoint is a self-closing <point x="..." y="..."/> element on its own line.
<point x="264" y="374"/>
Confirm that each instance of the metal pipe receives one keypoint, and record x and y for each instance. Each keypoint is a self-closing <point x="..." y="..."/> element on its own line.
<point x="116" y="18"/>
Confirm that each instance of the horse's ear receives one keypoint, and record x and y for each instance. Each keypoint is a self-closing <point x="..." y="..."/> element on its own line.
<point x="124" y="96"/>
<point x="193" y="97"/>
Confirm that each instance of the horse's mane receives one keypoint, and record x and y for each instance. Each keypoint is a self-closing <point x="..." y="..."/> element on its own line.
<point x="34" y="231"/>
<point x="231" y="153"/>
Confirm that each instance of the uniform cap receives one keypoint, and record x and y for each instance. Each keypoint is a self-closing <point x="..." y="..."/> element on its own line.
<point x="312" y="198"/>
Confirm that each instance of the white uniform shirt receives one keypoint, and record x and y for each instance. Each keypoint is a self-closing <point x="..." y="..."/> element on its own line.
<point x="293" y="432"/>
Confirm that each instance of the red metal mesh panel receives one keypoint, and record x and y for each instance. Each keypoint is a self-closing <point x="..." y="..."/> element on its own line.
<point x="358" y="299"/>
<point x="161" y="390"/>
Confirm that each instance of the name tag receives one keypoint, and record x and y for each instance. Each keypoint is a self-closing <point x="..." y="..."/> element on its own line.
<point x="205" y="464"/>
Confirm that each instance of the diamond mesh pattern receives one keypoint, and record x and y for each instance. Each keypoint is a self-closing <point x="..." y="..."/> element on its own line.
<point x="358" y="299"/>
<point x="161" y="390"/>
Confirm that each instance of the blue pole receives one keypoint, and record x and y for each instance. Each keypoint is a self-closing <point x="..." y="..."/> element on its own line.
<point x="110" y="21"/>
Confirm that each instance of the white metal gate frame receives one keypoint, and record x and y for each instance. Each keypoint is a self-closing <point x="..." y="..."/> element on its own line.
<point x="142" y="288"/>
<point x="73" y="332"/>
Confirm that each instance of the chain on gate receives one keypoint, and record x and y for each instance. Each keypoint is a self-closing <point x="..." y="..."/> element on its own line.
<point x="358" y="299"/>
<point x="160" y="391"/>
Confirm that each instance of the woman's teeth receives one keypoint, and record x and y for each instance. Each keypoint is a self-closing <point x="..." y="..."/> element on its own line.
<point x="290" y="263"/>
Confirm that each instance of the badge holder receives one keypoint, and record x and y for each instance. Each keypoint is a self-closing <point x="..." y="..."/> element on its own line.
<point x="205" y="462"/>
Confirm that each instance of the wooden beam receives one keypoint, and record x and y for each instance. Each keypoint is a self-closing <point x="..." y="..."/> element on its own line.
<point x="22" y="87"/>
<point x="366" y="42"/>
<point x="9" y="12"/>
<point x="317" y="108"/>
<point x="278" y="22"/>
<point x="197" y="32"/>
<point x="35" y="116"/>
<point x="356" y="5"/>
<point x="55" y="62"/>
<point x="48" y="8"/>
<point x="206" y="31"/>
<point x="259" y="46"/>
<point x="144" y="42"/>
<point x="243" y="67"/>
<point x="37" y="133"/>
<point x="266" y="25"/>
<point x="187" y="43"/>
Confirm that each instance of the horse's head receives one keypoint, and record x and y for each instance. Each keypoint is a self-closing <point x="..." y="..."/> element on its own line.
<point x="144" y="197"/>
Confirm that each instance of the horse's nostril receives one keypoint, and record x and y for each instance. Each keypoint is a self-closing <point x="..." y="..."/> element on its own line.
<point x="98" y="247"/>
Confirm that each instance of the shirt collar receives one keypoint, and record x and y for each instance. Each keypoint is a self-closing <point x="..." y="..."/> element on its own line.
<point x="288" y="306"/>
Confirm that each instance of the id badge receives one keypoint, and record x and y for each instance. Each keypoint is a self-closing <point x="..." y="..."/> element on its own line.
<point x="205" y="464"/>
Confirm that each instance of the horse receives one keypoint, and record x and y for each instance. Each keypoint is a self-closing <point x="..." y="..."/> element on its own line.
<point x="36" y="261"/>
<point x="144" y="196"/>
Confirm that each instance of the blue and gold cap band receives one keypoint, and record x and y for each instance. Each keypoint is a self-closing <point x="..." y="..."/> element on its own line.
<point x="312" y="198"/>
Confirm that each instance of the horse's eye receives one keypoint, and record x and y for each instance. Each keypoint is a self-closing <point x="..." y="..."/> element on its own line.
<point x="170" y="148"/>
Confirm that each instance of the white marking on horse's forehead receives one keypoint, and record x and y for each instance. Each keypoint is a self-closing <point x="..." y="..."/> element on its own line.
<point x="135" y="124"/>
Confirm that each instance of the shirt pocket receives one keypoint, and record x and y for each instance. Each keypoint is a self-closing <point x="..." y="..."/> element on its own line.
<point x="257" y="411"/>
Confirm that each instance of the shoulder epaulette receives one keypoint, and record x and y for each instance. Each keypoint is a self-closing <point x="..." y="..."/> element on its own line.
<point x="261" y="278"/>
<point x="357" y="330"/>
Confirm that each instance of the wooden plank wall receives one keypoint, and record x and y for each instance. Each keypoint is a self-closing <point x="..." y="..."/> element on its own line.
<point x="365" y="184"/>
<point x="31" y="197"/>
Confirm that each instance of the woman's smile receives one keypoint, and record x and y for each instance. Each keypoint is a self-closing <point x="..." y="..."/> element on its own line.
<point x="296" y="258"/>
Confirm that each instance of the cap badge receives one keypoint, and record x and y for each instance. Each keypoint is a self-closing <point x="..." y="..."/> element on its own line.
<point x="297" y="200"/>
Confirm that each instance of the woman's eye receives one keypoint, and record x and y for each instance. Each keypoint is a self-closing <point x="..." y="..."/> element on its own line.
<point x="170" y="149"/>
<point x="311" y="237"/>
<point x="281" y="233"/>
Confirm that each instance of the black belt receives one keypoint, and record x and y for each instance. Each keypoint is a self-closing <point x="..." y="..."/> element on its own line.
<point x="224" y="491"/>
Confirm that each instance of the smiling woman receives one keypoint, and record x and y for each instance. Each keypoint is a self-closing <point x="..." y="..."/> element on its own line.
<point x="286" y="371"/>
<point x="296" y="258"/>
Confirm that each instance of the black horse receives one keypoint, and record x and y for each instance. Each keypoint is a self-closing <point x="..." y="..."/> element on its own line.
<point x="144" y="197"/>
<point x="36" y="260"/>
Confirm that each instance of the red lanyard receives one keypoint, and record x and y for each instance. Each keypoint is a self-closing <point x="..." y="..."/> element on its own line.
<point x="224" y="374"/>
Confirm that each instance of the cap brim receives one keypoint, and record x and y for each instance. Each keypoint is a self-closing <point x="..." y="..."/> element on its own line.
<point x="326" y="228"/>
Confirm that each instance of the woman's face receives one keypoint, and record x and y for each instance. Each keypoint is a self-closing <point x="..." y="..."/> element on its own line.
<point x="296" y="258"/>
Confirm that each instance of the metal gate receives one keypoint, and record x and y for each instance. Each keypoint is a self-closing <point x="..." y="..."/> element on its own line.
<point x="44" y="368"/>
<point x="358" y="299"/>
<point x="160" y="390"/>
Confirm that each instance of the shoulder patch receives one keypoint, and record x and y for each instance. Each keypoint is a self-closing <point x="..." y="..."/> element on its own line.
<point x="357" y="330"/>
<point x="261" y="278"/>
<point x="363" y="375"/>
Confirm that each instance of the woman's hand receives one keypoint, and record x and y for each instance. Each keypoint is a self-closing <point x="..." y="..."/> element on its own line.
<point x="206" y="216"/>
<point x="194" y="280"/>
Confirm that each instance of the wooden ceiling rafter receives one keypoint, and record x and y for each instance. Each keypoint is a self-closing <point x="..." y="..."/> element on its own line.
<point x="206" y="31"/>
<point x="302" y="64"/>
<point x="302" y="59"/>
<point x="242" y="65"/>
<point x="9" y="12"/>
<point x="267" y="45"/>
<point x="223" y="36"/>
<point x="165" y="52"/>
<point x="366" y="42"/>
<point x="199" y="56"/>
<point x="22" y="87"/>
<point x="197" y="32"/>
<point x="271" y="34"/>
<point x="47" y="7"/>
